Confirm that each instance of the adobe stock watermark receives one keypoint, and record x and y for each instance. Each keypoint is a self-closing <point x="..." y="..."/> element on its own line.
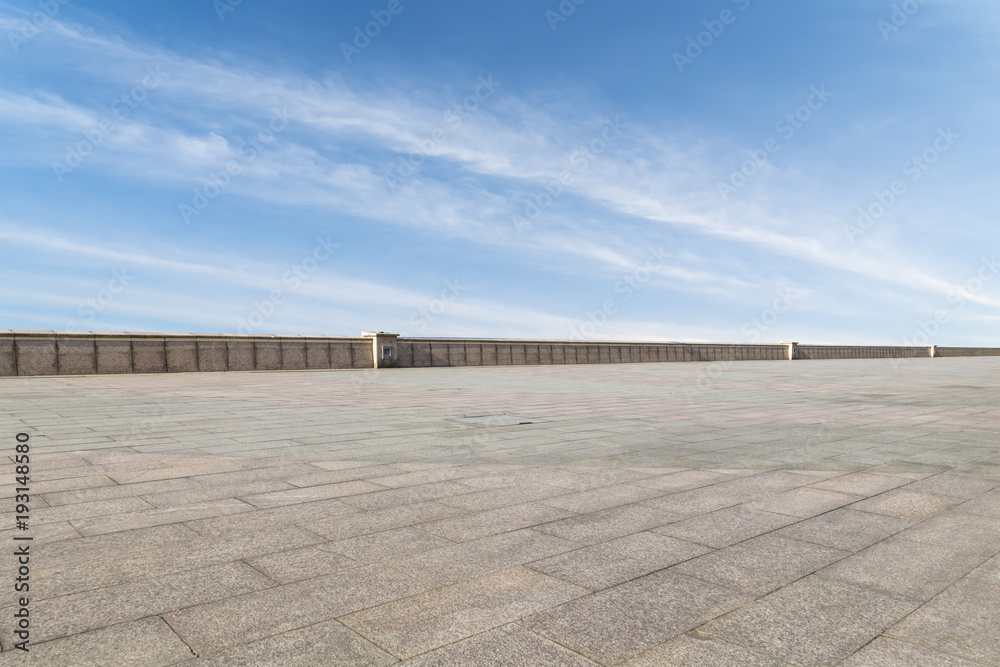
<point x="453" y="118"/>
<point x="293" y="279"/>
<point x="562" y="12"/>
<point x="629" y="284"/>
<point x="219" y="180"/>
<point x="580" y="161"/>
<point x="88" y="309"/>
<point x="901" y="13"/>
<point x="427" y="314"/>
<point x="707" y="377"/>
<point x="714" y="28"/>
<point x="959" y="296"/>
<point x="223" y="7"/>
<point x="35" y="23"/>
<point x="121" y="108"/>
<point x="381" y="18"/>
<point x="784" y="301"/>
<point x="786" y="127"/>
<point x="147" y="424"/>
<point x="914" y="168"/>
<point x="963" y="293"/>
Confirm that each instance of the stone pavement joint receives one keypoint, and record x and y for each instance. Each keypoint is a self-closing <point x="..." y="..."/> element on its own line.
<point x="816" y="513"/>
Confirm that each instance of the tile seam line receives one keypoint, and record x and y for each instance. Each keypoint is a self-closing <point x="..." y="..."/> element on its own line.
<point x="757" y="598"/>
<point x="113" y="625"/>
<point x="435" y="589"/>
<point x="516" y="622"/>
<point x="194" y="654"/>
<point x="279" y="634"/>
<point x="913" y="643"/>
<point x="157" y="614"/>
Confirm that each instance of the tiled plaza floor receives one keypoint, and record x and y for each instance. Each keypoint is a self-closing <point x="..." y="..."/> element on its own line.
<point x="744" y="513"/>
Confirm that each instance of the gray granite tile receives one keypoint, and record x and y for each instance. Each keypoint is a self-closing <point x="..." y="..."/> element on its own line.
<point x="80" y="511"/>
<point x="601" y="498"/>
<point x="444" y="491"/>
<point x="703" y="500"/>
<point x="374" y="521"/>
<point x="761" y="564"/>
<point x="102" y="525"/>
<point x="80" y="612"/>
<point x="387" y="545"/>
<point x="479" y="501"/>
<point x="695" y="649"/>
<point x="508" y="645"/>
<point x="54" y="491"/>
<point x="171" y="472"/>
<point x="987" y="504"/>
<point x="594" y="527"/>
<point x="255" y="520"/>
<point x="988" y="572"/>
<point x="303" y="563"/>
<point x="493" y="522"/>
<point x="948" y="484"/>
<point x="206" y="436"/>
<point x="861" y="483"/>
<point x="813" y="621"/>
<point x="325" y="643"/>
<point x="475" y="558"/>
<point x="961" y="621"/>
<point x="845" y="529"/>
<point x="200" y="493"/>
<point x="307" y="494"/>
<point x="619" y="560"/>
<point x="216" y="626"/>
<point x="887" y="652"/>
<point x="322" y="478"/>
<point x="906" y="567"/>
<point x="148" y="641"/>
<point x="906" y="504"/>
<point x="141" y="540"/>
<point x="285" y="472"/>
<point x="953" y="528"/>
<point x="726" y="526"/>
<point x="683" y="481"/>
<point x="646" y="612"/>
<point x="112" y="490"/>
<point x="774" y="481"/>
<point x="203" y="552"/>
<point x="65" y="579"/>
<point x="804" y="502"/>
<point x="429" y="620"/>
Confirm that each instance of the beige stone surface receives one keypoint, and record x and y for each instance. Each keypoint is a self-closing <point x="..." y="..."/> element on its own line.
<point x="566" y="514"/>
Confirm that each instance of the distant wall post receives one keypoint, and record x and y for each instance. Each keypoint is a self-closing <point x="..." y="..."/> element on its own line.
<point x="384" y="348"/>
<point x="793" y="349"/>
<point x="932" y="350"/>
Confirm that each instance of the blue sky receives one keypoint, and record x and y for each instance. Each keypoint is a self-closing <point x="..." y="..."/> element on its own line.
<point x="724" y="171"/>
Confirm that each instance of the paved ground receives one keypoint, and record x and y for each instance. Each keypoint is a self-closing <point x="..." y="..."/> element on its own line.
<point x="749" y="513"/>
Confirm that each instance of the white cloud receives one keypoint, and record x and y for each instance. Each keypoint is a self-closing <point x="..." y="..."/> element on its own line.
<point x="647" y="183"/>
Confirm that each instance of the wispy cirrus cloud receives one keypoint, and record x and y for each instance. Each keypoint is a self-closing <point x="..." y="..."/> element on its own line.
<point x="654" y="186"/>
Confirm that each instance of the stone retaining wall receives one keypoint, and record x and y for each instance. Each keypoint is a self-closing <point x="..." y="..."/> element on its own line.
<point x="79" y="353"/>
<point x="85" y="353"/>
<point x="859" y="352"/>
<point x="968" y="351"/>
<point x="423" y="352"/>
